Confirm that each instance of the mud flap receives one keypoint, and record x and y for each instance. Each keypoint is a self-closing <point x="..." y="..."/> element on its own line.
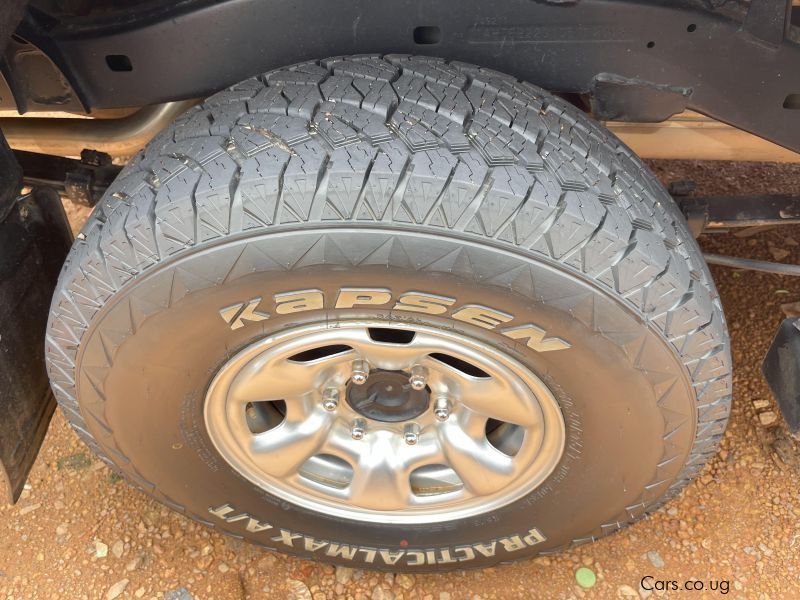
<point x="34" y="240"/>
<point x="781" y="369"/>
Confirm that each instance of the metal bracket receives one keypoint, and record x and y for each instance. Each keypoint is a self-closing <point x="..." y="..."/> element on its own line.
<point x="727" y="212"/>
<point x="83" y="181"/>
<point x="617" y="98"/>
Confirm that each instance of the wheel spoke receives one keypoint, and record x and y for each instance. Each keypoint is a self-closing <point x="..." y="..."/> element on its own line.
<point x="498" y="399"/>
<point x="283" y="450"/>
<point x="380" y="479"/>
<point x="481" y="467"/>
<point x="282" y="379"/>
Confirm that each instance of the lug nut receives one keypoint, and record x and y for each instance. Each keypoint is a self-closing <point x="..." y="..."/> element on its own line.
<point x="441" y="409"/>
<point x="360" y="372"/>
<point x="411" y="433"/>
<point x="418" y="376"/>
<point x="359" y="429"/>
<point x="330" y="399"/>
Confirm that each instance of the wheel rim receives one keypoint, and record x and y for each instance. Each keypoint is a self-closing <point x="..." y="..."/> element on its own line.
<point x="480" y="432"/>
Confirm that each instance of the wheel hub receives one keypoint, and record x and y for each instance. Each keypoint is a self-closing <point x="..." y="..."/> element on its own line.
<point x="401" y="424"/>
<point x="387" y="396"/>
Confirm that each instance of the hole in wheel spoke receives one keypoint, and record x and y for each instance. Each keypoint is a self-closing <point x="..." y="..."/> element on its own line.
<point x="320" y="353"/>
<point x="460" y="365"/>
<point x="432" y="480"/>
<point x="505" y="437"/>
<point x="328" y="470"/>
<point x="387" y="335"/>
<point x="263" y="416"/>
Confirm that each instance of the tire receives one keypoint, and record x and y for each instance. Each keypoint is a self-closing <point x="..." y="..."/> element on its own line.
<point x="403" y="194"/>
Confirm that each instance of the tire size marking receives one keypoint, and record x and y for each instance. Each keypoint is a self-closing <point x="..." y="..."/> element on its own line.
<point x="412" y="557"/>
<point x="252" y="311"/>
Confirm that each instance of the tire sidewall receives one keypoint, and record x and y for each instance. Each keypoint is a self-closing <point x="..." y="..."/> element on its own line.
<point x="149" y="356"/>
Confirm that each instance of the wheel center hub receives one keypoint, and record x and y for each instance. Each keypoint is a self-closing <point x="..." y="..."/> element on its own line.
<point x="388" y="396"/>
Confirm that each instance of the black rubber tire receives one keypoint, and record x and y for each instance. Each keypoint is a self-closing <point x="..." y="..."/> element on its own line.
<point x="410" y="174"/>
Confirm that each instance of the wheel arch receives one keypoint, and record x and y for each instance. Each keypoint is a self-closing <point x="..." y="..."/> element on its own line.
<point x="640" y="61"/>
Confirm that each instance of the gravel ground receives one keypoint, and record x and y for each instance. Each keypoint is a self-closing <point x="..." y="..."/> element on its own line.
<point x="79" y="532"/>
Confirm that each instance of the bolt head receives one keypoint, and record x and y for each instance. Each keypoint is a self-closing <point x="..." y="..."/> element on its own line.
<point x="358" y="429"/>
<point x="441" y="409"/>
<point x="418" y="376"/>
<point x="360" y="372"/>
<point x="330" y="399"/>
<point x="418" y="383"/>
<point x="411" y="434"/>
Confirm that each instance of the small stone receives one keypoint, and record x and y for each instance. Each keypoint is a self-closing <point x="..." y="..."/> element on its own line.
<point x="62" y="529"/>
<point x="118" y="548"/>
<point x="134" y="564"/>
<point x="767" y="418"/>
<point x="626" y="591"/>
<point x="405" y="581"/>
<point x="779" y="253"/>
<point x="139" y="593"/>
<point x="223" y="568"/>
<point x="28" y="509"/>
<point x="585" y="578"/>
<point x="378" y="593"/>
<point x="343" y="575"/>
<point x="115" y="591"/>
<point x="444" y="595"/>
<point x="655" y="559"/>
<point x="298" y="590"/>
<point x="100" y="549"/>
<point x="179" y="594"/>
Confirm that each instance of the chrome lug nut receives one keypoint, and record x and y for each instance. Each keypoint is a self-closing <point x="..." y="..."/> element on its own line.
<point x="419" y="375"/>
<point x="358" y="429"/>
<point x="330" y="399"/>
<point x="360" y="372"/>
<point x="411" y="433"/>
<point x="441" y="409"/>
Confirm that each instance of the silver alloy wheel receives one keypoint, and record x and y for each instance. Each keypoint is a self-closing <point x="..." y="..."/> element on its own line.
<point x="281" y="412"/>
